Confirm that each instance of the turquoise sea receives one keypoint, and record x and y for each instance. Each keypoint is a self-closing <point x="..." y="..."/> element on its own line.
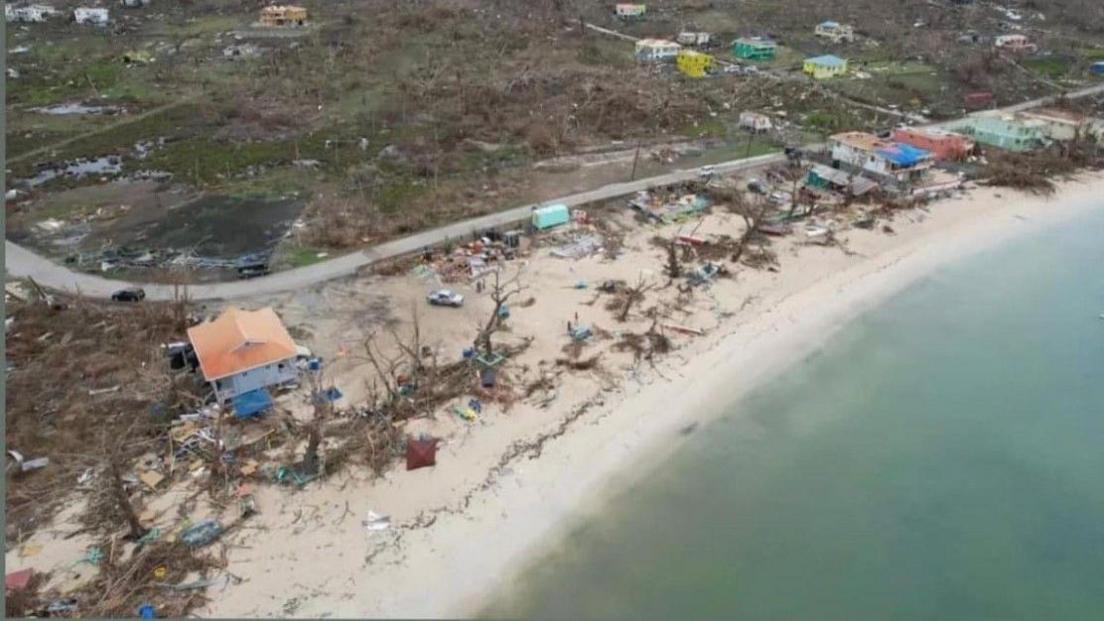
<point x="941" y="458"/>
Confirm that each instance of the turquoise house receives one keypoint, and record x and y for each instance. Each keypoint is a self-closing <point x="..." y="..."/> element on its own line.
<point x="1004" y="132"/>
<point x="550" y="216"/>
<point x="754" y="48"/>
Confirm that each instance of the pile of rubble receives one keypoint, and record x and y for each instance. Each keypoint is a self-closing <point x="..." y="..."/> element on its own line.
<point x="670" y="206"/>
<point x="471" y="261"/>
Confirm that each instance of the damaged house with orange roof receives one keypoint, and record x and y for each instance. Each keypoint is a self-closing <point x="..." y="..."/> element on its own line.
<point x="243" y="352"/>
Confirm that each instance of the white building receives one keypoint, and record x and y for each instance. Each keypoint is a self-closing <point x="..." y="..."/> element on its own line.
<point x="694" y="39"/>
<point x="1064" y="125"/>
<point x="755" y="121"/>
<point x="835" y="31"/>
<point x="1014" y="43"/>
<point x="242" y="351"/>
<point x="653" y="50"/>
<point x="90" y="15"/>
<point x="893" y="160"/>
<point x="29" y="13"/>
<point x="630" y="10"/>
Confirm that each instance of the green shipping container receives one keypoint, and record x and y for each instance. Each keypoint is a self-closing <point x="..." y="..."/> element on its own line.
<point x="550" y="216"/>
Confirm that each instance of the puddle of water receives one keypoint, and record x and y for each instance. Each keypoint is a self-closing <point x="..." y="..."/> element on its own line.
<point x="76" y="108"/>
<point x="107" y="165"/>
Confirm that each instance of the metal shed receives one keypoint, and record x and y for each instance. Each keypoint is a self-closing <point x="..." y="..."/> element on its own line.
<point x="550" y="216"/>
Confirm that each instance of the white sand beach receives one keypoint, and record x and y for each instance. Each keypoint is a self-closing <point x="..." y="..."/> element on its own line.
<point x="505" y="487"/>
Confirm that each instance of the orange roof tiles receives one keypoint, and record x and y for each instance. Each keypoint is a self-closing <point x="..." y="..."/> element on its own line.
<point x="240" y="340"/>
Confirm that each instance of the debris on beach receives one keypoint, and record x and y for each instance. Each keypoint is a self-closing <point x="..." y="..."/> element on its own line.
<point x="421" y="452"/>
<point x="376" y="521"/>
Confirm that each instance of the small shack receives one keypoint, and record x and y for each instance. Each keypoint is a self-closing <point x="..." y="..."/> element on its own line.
<point x="279" y="16"/>
<point x="754" y="48"/>
<point x="978" y="100"/>
<point x="835" y="31"/>
<point x="90" y="15"/>
<point x="550" y="216"/>
<point x="694" y="64"/>
<point x="824" y="67"/>
<point x="828" y="178"/>
<point x="627" y="11"/>
<point x="694" y="39"/>
<point x="31" y="13"/>
<point x="755" y="121"/>
<point x="1016" y="43"/>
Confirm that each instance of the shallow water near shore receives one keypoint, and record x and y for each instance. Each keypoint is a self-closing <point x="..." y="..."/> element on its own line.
<point x="939" y="458"/>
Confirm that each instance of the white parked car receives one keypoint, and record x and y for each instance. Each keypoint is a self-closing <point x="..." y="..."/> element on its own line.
<point x="705" y="172"/>
<point x="445" y="297"/>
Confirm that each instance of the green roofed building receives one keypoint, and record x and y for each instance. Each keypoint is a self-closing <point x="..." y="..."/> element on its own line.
<point x="754" y="48"/>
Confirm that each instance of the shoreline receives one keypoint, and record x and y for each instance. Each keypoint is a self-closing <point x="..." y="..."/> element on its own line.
<point x="768" y="353"/>
<point x="463" y="531"/>
<point x="570" y="491"/>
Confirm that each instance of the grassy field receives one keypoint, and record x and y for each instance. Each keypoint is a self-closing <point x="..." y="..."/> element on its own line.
<point x="389" y="119"/>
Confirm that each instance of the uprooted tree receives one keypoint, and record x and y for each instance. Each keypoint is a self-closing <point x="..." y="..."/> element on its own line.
<point x="112" y="499"/>
<point x="627" y="297"/>
<point x="674" y="263"/>
<point x="753" y="210"/>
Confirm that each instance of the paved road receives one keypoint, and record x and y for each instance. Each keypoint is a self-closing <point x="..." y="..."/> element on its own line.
<point x="22" y="262"/>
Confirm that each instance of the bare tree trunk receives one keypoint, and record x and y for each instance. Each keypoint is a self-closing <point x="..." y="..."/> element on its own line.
<point x="122" y="501"/>
<point x="501" y="292"/>
<point x="218" y="468"/>
<point x="674" y="267"/>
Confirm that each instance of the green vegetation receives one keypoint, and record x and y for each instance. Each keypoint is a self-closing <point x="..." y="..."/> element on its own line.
<point x="299" y="256"/>
<point x="1052" y="67"/>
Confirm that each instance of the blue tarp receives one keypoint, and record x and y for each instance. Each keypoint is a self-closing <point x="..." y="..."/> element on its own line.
<point x="331" y="394"/>
<point x="828" y="60"/>
<point x="252" y="403"/>
<point x="903" y="154"/>
<point x="830" y="24"/>
<point x="1098" y="67"/>
<point x="201" y="534"/>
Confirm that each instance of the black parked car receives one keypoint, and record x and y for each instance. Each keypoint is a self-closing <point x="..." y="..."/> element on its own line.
<point x="253" y="271"/>
<point x="132" y="294"/>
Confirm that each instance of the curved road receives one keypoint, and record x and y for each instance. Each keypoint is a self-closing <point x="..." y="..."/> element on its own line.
<point x="22" y="262"/>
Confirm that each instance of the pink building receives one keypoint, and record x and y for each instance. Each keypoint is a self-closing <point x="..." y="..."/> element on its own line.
<point x="944" y="145"/>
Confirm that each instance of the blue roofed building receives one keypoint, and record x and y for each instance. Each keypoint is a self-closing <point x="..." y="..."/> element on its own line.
<point x="887" y="160"/>
<point x="824" y="67"/>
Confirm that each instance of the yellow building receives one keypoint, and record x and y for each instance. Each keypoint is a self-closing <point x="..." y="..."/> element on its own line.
<point x="694" y="64"/>
<point x="824" y="67"/>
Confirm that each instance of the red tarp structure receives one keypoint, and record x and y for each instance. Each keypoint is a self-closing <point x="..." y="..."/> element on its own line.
<point x="421" y="452"/>
<point x="18" y="580"/>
